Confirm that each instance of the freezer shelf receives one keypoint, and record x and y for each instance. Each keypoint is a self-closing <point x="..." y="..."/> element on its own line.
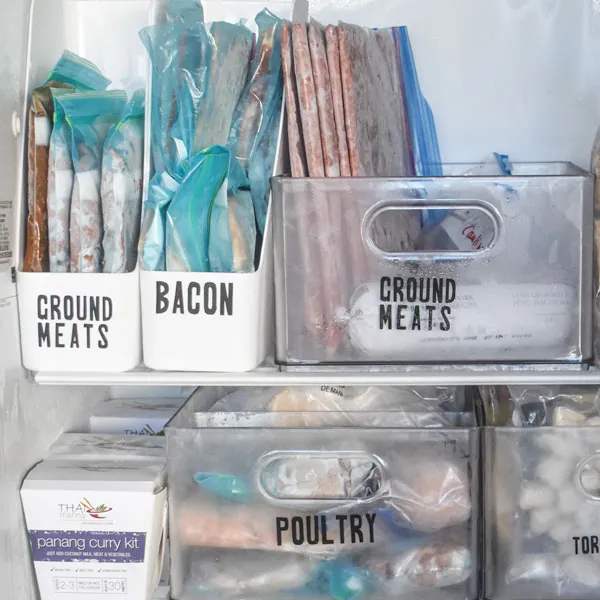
<point x="271" y="376"/>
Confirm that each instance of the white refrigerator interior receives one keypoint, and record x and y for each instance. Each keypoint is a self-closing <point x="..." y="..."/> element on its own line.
<point x="519" y="77"/>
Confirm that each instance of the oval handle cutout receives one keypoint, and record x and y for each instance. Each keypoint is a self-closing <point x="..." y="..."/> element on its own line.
<point x="588" y="476"/>
<point x="466" y="229"/>
<point x="323" y="476"/>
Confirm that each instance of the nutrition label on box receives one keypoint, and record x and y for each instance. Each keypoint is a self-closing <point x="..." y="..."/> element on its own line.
<point x="5" y="218"/>
<point x="89" y="585"/>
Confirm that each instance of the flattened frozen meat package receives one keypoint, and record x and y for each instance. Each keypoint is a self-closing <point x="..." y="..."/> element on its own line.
<point x="377" y="141"/>
<point x="329" y="142"/>
<point x="121" y="188"/>
<point x="309" y="111"/>
<point x="90" y="115"/>
<point x="335" y="76"/>
<point x="296" y="142"/>
<point x="229" y="65"/>
<point x="255" y="129"/>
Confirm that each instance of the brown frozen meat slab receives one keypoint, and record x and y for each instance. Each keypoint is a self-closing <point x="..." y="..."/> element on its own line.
<point x="318" y="55"/>
<point x="377" y="142"/>
<point x="309" y="112"/>
<point x="296" y="143"/>
<point x="335" y="76"/>
<point x="375" y="123"/>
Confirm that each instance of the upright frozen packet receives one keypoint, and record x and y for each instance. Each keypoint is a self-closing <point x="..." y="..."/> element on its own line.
<point x="60" y="187"/>
<point x="121" y="187"/>
<point x="71" y="71"/>
<point x="90" y="116"/>
<point x="161" y="190"/>
<point x="254" y="126"/>
<point x="228" y="72"/>
<point x="162" y="45"/>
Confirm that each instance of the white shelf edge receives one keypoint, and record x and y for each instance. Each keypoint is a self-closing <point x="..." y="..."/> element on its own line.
<point x="275" y="378"/>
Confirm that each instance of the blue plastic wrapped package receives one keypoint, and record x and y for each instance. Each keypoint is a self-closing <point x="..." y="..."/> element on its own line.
<point x="228" y="72"/>
<point x="193" y="85"/>
<point x="90" y="116"/>
<point x="187" y="226"/>
<point x="121" y="187"/>
<point x="423" y="133"/>
<point x="70" y="72"/>
<point x="161" y="190"/>
<point x="210" y="221"/>
<point x="232" y="228"/>
<point x="255" y="124"/>
<point x="162" y="43"/>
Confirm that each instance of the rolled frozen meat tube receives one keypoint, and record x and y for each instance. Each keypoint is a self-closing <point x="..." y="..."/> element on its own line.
<point x="430" y="494"/>
<point x="203" y="522"/>
<point x="427" y="567"/>
<point x="249" y="572"/>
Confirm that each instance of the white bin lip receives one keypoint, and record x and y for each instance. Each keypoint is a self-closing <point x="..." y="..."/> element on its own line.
<point x="520" y="170"/>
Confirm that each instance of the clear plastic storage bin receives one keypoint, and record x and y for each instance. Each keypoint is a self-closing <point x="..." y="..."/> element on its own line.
<point x="354" y="512"/>
<point x="542" y="513"/>
<point x="506" y="279"/>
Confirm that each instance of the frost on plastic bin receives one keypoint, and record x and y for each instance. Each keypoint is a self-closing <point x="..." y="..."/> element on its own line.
<point x="76" y="321"/>
<point x="360" y="512"/>
<point x="507" y="279"/>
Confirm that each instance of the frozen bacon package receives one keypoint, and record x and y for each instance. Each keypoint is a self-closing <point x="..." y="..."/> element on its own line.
<point x="217" y="95"/>
<point x="357" y="511"/>
<point x="74" y="73"/>
<point x="121" y="187"/>
<point x="91" y="115"/>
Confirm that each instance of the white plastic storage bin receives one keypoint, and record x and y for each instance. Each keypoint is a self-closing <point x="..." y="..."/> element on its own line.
<point x="330" y="511"/>
<point x="209" y="321"/>
<point x="359" y="282"/>
<point x="72" y="321"/>
<point x="214" y="321"/>
<point x="542" y="513"/>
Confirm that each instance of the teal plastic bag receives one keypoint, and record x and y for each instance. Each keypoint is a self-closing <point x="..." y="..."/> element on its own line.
<point x="121" y="187"/>
<point x="90" y="115"/>
<point x="232" y="226"/>
<point x="255" y="130"/>
<point x="161" y="190"/>
<point x="189" y="214"/>
<point x="225" y="486"/>
<point x="162" y="43"/>
<point x="210" y="221"/>
<point x="193" y="86"/>
<point x="227" y="75"/>
<point x="77" y="72"/>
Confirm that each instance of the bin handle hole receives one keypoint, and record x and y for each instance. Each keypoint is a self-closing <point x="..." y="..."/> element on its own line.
<point x="588" y="476"/>
<point x="476" y="226"/>
<point x="326" y="476"/>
